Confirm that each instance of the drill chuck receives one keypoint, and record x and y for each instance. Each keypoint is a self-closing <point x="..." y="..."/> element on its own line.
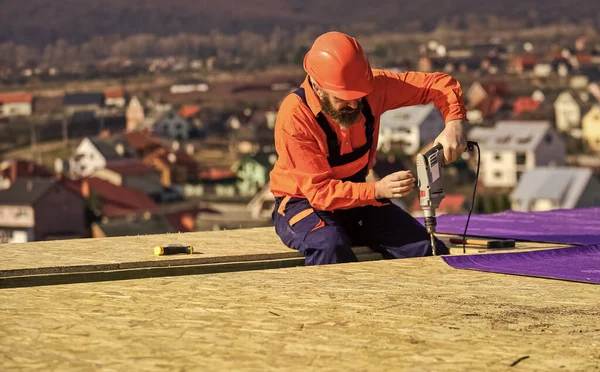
<point x="430" y="224"/>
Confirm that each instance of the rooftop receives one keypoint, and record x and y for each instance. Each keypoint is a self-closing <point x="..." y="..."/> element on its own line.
<point x="188" y="111"/>
<point x="245" y="310"/>
<point x="26" y="191"/>
<point x="511" y="135"/>
<point x="563" y="185"/>
<point x="114" y="93"/>
<point x="119" y="200"/>
<point x="142" y="141"/>
<point x="129" y="167"/>
<point x="81" y="99"/>
<point x="18" y="168"/>
<point x="107" y="149"/>
<point x="173" y="157"/>
<point x="406" y="117"/>
<point x="16" y="97"/>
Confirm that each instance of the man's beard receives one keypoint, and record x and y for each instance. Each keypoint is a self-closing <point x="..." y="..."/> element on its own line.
<point x="344" y="117"/>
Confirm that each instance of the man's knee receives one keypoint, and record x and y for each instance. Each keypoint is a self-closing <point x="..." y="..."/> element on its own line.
<point x="328" y="245"/>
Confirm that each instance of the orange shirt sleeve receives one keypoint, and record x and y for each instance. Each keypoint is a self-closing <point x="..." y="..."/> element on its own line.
<point x="299" y="150"/>
<point x="394" y="90"/>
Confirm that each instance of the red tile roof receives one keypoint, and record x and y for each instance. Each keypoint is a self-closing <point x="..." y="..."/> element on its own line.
<point x="529" y="60"/>
<point x="114" y="93"/>
<point x="215" y="174"/>
<point x="583" y="58"/>
<point x="119" y="200"/>
<point x="116" y="200"/>
<point x="141" y="141"/>
<point x="555" y="54"/>
<point x="189" y="110"/>
<point x="181" y="157"/>
<point x="526" y="61"/>
<point x="18" y="168"/>
<point x="490" y="106"/>
<point x="129" y="167"/>
<point x="525" y="104"/>
<point x="498" y="88"/>
<point x="450" y="204"/>
<point x="16" y="97"/>
<point x="184" y="220"/>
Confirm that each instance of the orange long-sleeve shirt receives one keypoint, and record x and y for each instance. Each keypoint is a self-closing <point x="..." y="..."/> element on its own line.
<point x="302" y="169"/>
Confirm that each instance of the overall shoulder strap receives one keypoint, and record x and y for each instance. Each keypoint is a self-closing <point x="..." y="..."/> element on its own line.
<point x="332" y="141"/>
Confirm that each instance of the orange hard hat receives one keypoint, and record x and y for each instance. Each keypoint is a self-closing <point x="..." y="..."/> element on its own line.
<point x="337" y="63"/>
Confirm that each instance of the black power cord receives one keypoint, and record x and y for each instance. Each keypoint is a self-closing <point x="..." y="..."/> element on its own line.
<point x="470" y="146"/>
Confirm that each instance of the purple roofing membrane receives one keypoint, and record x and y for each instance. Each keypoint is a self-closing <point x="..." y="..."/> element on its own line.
<point x="568" y="226"/>
<point x="580" y="263"/>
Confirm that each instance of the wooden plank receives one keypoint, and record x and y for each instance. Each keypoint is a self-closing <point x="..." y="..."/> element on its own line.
<point x="144" y="272"/>
<point x="125" y="253"/>
<point x="45" y="279"/>
<point x="413" y="314"/>
<point x="136" y="252"/>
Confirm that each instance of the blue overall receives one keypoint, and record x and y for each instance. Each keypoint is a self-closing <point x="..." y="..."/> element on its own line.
<point x="326" y="237"/>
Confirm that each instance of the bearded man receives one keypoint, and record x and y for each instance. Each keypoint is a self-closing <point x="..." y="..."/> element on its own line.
<point x="326" y="139"/>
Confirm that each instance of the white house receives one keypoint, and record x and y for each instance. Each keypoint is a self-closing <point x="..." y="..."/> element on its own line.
<point x="542" y="70"/>
<point x="538" y="95"/>
<point x="114" y="97"/>
<point x="190" y="86"/>
<point x="93" y="154"/>
<point x="568" y="109"/>
<point x="412" y="127"/>
<point x="15" y="104"/>
<point x="546" y="188"/>
<point x="172" y="126"/>
<point x="83" y="102"/>
<point x="512" y="147"/>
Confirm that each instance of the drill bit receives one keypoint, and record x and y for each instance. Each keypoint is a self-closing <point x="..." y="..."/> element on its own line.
<point x="432" y="244"/>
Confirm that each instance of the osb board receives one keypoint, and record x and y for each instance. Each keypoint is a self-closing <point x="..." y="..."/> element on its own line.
<point x="138" y="251"/>
<point x="109" y="254"/>
<point x="412" y="314"/>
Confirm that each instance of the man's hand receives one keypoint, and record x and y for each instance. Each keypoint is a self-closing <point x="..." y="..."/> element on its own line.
<point x="395" y="185"/>
<point x="453" y="139"/>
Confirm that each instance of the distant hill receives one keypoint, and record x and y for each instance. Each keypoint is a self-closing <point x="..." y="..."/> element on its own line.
<point x="39" y="22"/>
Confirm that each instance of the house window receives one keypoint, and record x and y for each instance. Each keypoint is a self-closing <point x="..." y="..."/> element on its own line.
<point x="515" y="204"/>
<point x="497" y="157"/>
<point x="521" y="158"/>
<point x="503" y="139"/>
<point x="498" y="174"/>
